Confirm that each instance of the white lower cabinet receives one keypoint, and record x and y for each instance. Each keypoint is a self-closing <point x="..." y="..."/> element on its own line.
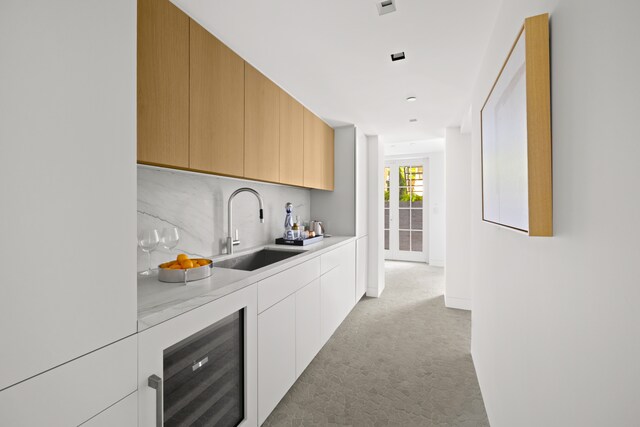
<point x="299" y="309"/>
<point x="330" y="295"/>
<point x="73" y="393"/>
<point x="276" y="354"/>
<point x="201" y="367"/>
<point x="337" y="291"/>
<point x="308" y="342"/>
<point x="122" y="414"/>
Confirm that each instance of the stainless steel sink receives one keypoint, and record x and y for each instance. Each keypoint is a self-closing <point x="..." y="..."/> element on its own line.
<point x="256" y="260"/>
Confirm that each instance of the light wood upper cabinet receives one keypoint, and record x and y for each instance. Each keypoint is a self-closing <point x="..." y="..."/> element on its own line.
<point x="291" y="140"/>
<point x="313" y="150"/>
<point x="328" y="165"/>
<point x="202" y="108"/>
<point x="261" y="127"/>
<point x="163" y="84"/>
<point x="216" y="121"/>
<point x="318" y="152"/>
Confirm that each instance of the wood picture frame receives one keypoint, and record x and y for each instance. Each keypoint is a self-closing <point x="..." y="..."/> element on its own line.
<point x="516" y="136"/>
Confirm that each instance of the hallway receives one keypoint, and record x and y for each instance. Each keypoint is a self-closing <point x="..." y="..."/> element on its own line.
<point x="399" y="360"/>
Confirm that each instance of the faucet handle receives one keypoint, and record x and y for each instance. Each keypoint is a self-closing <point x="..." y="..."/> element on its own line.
<point x="236" y="239"/>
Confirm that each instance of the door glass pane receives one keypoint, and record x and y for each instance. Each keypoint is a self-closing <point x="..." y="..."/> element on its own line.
<point x="417" y="194"/>
<point x="416" y="219"/>
<point x="387" y="186"/>
<point x="404" y="196"/>
<point x="403" y="215"/>
<point x="404" y="240"/>
<point x="386" y="239"/>
<point x="416" y="241"/>
<point x="386" y="219"/>
<point x="414" y="176"/>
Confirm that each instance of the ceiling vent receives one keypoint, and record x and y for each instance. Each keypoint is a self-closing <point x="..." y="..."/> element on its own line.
<point x="386" y="6"/>
<point x="397" y="56"/>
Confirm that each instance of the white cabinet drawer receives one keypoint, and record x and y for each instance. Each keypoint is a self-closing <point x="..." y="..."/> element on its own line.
<point x="122" y="414"/>
<point x="281" y="285"/>
<point x="332" y="259"/>
<point x="74" y="392"/>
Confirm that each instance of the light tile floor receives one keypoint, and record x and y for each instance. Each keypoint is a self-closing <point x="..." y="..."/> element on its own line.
<point x="399" y="360"/>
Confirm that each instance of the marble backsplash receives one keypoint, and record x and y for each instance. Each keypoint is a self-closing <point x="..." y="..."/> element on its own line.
<point x="197" y="205"/>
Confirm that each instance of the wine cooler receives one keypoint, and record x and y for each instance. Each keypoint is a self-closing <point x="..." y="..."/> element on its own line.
<point x="199" y="369"/>
<point x="204" y="377"/>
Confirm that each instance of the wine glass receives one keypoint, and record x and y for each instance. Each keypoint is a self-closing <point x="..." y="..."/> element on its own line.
<point x="169" y="238"/>
<point x="148" y="241"/>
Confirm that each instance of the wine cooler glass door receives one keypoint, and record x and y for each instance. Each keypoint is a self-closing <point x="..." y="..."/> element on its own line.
<point x="203" y="376"/>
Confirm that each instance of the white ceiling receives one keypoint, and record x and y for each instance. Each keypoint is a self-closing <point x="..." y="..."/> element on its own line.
<point x="334" y="56"/>
<point x="411" y="148"/>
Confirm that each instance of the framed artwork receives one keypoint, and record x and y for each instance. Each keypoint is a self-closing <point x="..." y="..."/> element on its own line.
<point x="516" y="136"/>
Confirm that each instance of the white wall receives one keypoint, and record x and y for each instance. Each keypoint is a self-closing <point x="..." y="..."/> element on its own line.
<point x="337" y="209"/>
<point x="555" y="330"/>
<point x="376" y="280"/>
<point x="437" y="209"/>
<point x="197" y="205"/>
<point x="457" y="292"/>
<point x="362" y="184"/>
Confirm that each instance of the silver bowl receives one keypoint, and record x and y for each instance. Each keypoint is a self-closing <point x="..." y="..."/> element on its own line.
<point x="184" y="276"/>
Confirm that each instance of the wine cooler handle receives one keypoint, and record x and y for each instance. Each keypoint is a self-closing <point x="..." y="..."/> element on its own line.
<point x="155" y="382"/>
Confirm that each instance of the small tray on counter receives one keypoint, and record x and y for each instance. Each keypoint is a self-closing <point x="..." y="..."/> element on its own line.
<point x="301" y="242"/>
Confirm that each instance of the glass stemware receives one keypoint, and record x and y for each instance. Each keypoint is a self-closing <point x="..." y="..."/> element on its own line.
<point x="148" y="241"/>
<point x="169" y="238"/>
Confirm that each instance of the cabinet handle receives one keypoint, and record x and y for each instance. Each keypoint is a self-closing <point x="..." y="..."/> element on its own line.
<point x="199" y="364"/>
<point x="155" y="382"/>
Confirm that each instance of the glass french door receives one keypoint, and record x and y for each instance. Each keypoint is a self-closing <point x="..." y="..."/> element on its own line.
<point x="406" y="210"/>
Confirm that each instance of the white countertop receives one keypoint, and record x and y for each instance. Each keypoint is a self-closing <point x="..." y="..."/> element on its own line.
<point x="159" y="301"/>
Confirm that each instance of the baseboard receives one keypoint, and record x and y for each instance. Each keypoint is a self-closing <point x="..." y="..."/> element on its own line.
<point x="374" y="292"/>
<point x="458" y="303"/>
<point x="436" y="262"/>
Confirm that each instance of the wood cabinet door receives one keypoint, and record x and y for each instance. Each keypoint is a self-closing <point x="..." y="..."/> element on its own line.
<point x="327" y="157"/>
<point x="216" y="121"/>
<point x="313" y="150"/>
<point x="291" y="140"/>
<point x="276" y="354"/>
<point x="261" y="127"/>
<point x="163" y="84"/>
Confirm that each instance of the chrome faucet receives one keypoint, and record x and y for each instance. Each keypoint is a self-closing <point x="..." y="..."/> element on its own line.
<point x="231" y="242"/>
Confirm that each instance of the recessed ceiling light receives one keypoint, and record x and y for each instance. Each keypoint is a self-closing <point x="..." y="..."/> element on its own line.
<point x="411" y="99"/>
<point x="397" y="56"/>
<point x="413" y="120"/>
<point x="386" y="6"/>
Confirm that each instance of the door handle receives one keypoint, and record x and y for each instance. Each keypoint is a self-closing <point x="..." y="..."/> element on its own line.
<point x="155" y="382"/>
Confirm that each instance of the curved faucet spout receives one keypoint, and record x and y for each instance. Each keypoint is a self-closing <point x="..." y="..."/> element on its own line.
<point x="231" y="242"/>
